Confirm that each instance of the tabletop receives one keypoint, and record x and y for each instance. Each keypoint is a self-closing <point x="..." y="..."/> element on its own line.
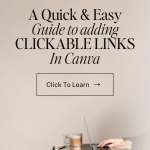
<point x="87" y="147"/>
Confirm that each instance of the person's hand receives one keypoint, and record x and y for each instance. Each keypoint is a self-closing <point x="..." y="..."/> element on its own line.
<point x="124" y="144"/>
<point x="112" y="142"/>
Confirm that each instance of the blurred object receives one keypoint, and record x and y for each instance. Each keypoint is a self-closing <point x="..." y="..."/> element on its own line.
<point x="75" y="139"/>
<point x="61" y="147"/>
<point x="72" y="139"/>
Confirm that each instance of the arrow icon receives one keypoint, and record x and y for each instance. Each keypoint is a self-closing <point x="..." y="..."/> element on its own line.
<point x="97" y="84"/>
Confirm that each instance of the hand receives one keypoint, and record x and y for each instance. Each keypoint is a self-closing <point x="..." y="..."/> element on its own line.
<point x="113" y="142"/>
<point x="124" y="144"/>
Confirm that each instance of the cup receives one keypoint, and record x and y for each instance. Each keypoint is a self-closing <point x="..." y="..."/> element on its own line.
<point x="75" y="139"/>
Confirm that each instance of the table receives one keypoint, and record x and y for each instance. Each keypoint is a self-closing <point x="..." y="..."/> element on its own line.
<point x="87" y="147"/>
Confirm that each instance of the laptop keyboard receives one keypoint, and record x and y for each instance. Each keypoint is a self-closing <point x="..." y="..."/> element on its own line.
<point x="94" y="147"/>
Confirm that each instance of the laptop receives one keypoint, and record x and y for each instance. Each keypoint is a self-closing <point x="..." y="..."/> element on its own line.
<point x="93" y="146"/>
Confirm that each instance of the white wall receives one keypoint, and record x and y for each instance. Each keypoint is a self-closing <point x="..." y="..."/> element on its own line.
<point x="36" y="123"/>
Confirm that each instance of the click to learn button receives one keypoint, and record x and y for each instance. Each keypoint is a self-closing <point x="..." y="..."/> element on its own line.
<point x="75" y="84"/>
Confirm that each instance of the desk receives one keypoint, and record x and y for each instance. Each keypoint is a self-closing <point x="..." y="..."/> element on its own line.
<point x="87" y="147"/>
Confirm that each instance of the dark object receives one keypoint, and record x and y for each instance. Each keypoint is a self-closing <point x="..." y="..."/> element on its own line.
<point x="94" y="147"/>
<point x="62" y="147"/>
<point x="105" y="147"/>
